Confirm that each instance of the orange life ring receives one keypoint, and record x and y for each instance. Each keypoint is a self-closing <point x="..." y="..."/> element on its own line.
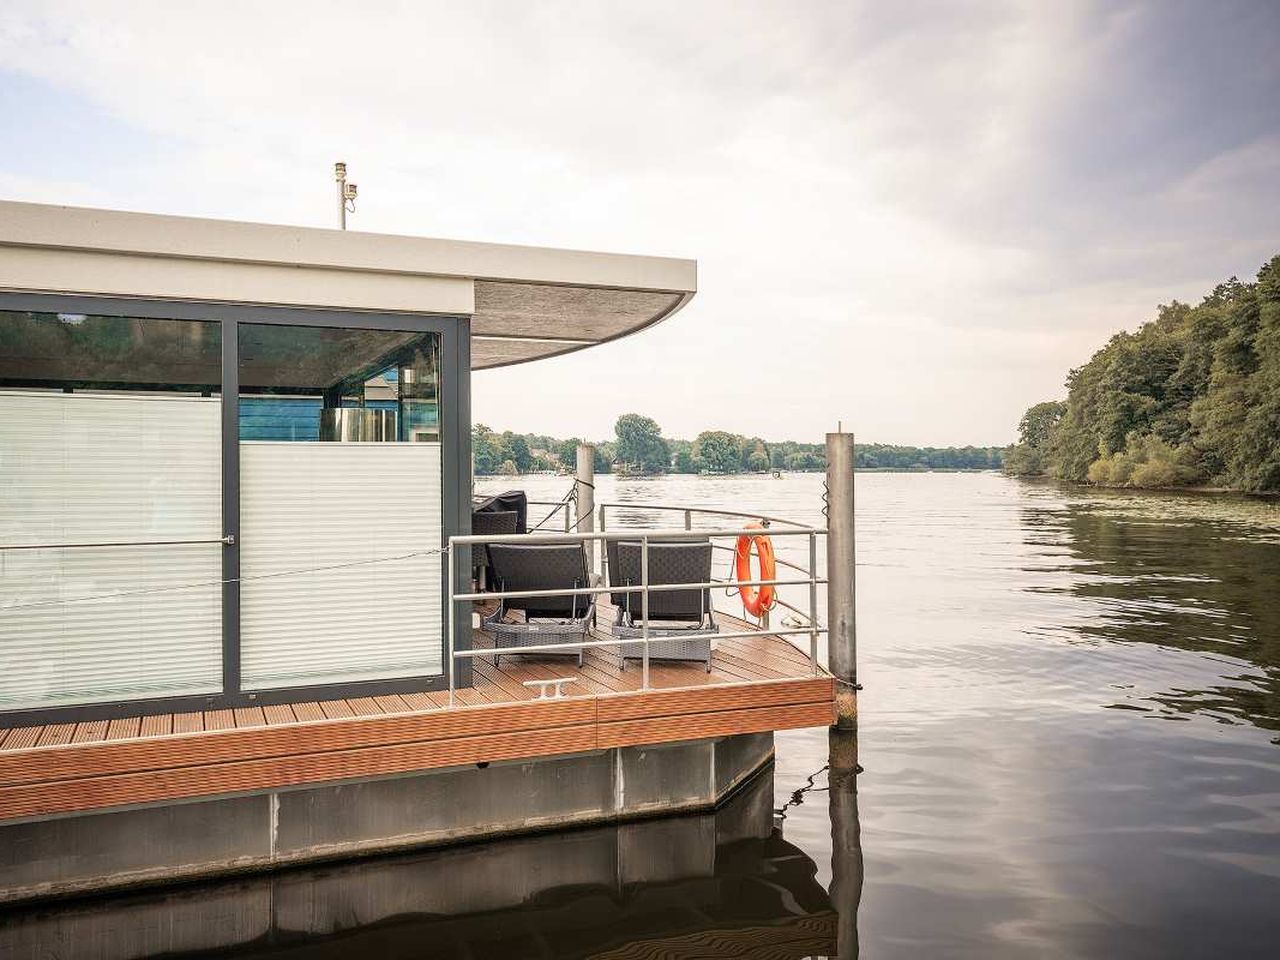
<point x="755" y="601"/>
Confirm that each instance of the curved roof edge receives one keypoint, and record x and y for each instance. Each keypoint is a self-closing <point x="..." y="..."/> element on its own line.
<point x="525" y="303"/>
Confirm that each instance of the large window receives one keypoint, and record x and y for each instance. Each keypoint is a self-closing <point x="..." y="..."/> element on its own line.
<point x="340" y="505"/>
<point x="110" y="508"/>
<point x="163" y="538"/>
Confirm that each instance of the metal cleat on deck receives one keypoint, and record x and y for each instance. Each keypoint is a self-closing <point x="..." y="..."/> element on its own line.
<point x="545" y="691"/>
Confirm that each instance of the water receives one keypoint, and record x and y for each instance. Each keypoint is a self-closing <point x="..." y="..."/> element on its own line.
<point x="1070" y="722"/>
<point x="1070" y="735"/>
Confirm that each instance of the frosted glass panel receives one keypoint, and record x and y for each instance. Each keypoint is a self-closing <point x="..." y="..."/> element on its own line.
<point x="335" y="588"/>
<point x="101" y="624"/>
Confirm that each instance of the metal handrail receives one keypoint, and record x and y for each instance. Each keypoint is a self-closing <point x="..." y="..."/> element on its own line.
<point x="632" y="534"/>
<point x="707" y="510"/>
<point x="644" y="588"/>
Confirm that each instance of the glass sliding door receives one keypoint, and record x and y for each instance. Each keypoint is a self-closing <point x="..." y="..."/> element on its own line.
<point x="110" y="450"/>
<point x="340" y="505"/>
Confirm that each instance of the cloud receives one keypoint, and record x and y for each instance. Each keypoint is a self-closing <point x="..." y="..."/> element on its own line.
<point x="911" y="217"/>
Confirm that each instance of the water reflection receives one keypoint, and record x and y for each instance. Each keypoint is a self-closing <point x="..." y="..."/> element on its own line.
<point x="721" y="884"/>
<point x="1155" y="571"/>
<point x="846" y="838"/>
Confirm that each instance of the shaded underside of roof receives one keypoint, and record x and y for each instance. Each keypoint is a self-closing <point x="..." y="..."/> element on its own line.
<point x="519" y="322"/>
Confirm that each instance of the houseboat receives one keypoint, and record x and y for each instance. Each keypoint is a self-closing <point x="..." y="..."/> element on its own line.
<point x="244" y="618"/>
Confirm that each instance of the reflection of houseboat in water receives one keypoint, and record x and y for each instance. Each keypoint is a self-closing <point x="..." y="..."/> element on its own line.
<point x="723" y="883"/>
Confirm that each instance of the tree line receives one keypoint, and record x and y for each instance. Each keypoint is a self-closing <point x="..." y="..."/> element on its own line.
<point x="639" y="448"/>
<point x="1190" y="398"/>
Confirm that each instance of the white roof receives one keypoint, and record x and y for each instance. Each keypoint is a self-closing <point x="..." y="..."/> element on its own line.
<point x="524" y="302"/>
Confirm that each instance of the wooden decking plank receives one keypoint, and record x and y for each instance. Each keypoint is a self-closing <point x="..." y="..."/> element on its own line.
<point x="687" y="702"/>
<point x="125" y="728"/>
<point x="279" y="713"/>
<point x="603" y="667"/>
<point x="219" y="719"/>
<point x="308" y="711"/>
<point x="21" y="738"/>
<point x="364" y="706"/>
<point x="334" y="709"/>
<point x="156" y="725"/>
<point x="90" y="731"/>
<point x="55" y="735"/>
<point x="250" y="717"/>
<point x="744" y="669"/>
<point x="669" y="675"/>
<point x="509" y="686"/>
<point x="188" y="722"/>
<point x="392" y="703"/>
<point x="724" y="723"/>
<point x="355" y="733"/>
<point x="423" y="701"/>
<point x="778" y="654"/>
<point x="65" y="796"/>
<point x="469" y="698"/>
<point x="535" y="670"/>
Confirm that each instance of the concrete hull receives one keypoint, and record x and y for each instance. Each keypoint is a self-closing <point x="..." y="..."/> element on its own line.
<point x="652" y="887"/>
<point x="166" y="842"/>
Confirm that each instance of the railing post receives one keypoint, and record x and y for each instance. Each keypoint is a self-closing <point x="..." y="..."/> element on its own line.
<point x="813" y="602"/>
<point x="604" y="551"/>
<point x="452" y="663"/>
<point x="644" y="610"/>
<point x="584" y="489"/>
<point x="688" y="519"/>
<point x="842" y="642"/>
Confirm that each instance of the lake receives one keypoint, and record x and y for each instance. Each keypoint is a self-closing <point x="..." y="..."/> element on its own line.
<point x="1070" y="722"/>
<point x="1069" y="740"/>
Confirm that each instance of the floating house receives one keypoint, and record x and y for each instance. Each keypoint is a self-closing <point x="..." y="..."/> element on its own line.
<point x="237" y="621"/>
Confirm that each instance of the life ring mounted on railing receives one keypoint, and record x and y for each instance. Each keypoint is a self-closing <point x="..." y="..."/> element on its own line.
<point x="757" y="601"/>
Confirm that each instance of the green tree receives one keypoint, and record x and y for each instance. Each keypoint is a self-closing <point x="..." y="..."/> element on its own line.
<point x="488" y="450"/>
<point x="640" y="445"/>
<point x="1192" y="395"/>
<point x="1035" y="430"/>
<point x="720" y="452"/>
<point x="518" y="451"/>
<point x="685" y="461"/>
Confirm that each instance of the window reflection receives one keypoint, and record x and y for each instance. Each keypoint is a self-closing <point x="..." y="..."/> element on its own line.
<point x="332" y="384"/>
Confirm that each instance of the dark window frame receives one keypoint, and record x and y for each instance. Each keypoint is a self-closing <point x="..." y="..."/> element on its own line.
<point x="455" y="440"/>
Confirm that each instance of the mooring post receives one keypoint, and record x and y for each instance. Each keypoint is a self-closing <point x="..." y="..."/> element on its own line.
<point x="842" y="641"/>
<point x="584" y="490"/>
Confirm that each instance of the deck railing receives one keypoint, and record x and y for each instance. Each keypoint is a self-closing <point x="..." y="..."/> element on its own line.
<point x="773" y="526"/>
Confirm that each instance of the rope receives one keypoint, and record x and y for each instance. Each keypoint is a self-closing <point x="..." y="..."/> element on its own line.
<point x="570" y="497"/>
<point x="797" y="796"/>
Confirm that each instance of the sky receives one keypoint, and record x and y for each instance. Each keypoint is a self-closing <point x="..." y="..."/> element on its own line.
<point x="911" y="218"/>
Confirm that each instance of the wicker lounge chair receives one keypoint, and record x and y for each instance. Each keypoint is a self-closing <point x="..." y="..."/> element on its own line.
<point x="511" y="500"/>
<point x="547" y="620"/>
<point x="683" y="619"/>
<point x="488" y="523"/>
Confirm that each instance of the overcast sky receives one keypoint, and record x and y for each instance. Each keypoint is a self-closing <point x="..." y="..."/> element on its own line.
<point x="912" y="217"/>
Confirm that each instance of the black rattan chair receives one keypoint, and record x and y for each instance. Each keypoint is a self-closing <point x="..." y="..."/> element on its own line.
<point x="683" y="619"/>
<point x="488" y="523"/>
<point x="561" y="619"/>
<point x="500" y="503"/>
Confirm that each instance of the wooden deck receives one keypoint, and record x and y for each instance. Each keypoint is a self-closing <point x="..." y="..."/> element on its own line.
<point x="756" y="684"/>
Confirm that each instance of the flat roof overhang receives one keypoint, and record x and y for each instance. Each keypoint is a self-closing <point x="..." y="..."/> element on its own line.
<point x="525" y="303"/>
